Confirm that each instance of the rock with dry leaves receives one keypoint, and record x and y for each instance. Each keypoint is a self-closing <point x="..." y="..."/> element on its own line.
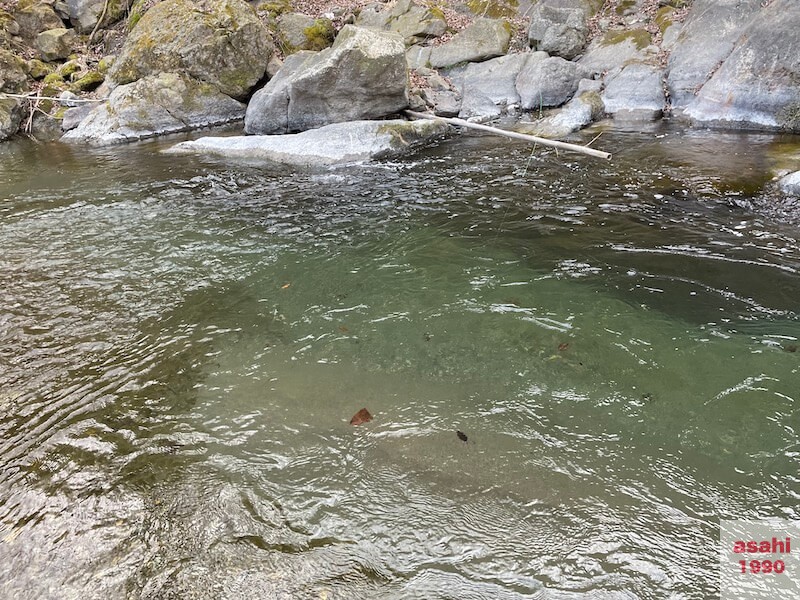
<point x="362" y="76"/>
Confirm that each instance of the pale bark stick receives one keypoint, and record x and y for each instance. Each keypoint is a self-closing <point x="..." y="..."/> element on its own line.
<point x="513" y="134"/>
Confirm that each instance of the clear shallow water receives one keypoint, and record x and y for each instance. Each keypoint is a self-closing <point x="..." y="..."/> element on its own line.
<point x="183" y="342"/>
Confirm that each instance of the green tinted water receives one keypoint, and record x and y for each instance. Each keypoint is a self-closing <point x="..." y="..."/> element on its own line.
<point x="184" y="342"/>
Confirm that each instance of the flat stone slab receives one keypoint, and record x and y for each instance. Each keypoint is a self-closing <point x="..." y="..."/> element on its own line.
<point x="339" y="143"/>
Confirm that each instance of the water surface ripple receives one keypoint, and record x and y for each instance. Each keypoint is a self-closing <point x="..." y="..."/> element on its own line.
<point x="184" y="340"/>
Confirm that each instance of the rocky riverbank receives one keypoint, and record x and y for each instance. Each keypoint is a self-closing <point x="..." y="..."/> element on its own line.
<point x="125" y="70"/>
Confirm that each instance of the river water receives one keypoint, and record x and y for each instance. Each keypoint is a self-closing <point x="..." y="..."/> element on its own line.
<point x="183" y="341"/>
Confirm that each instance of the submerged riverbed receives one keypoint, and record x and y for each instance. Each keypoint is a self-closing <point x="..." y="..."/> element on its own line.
<point x="183" y="342"/>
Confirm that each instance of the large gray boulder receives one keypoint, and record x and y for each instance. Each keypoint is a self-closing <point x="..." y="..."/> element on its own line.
<point x="156" y="105"/>
<point x="338" y="143"/>
<point x="490" y="87"/>
<point x="414" y="22"/>
<point x="560" y="27"/>
<point x="635" y="93"/>
<point x="482" y="40"/>
<point x="84" y="14"/>
<point x="362" y="76"/>
<point x="548" y="81"/>
<point x="758" y="85"/>
<point x="704" y="42"/>
<point x="221" y="42"/>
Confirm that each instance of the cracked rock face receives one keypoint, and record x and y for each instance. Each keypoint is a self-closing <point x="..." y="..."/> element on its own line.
<point x="362" y="76"/>
<point x="156" y="105"/>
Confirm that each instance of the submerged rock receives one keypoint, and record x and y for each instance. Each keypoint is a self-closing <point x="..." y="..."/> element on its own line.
<point x="339" y="143"/>
<point x="362" y="76"/>
<point x="156" y="105"/>
<point x="482" y="40"/>
<point x="221" y="42"/>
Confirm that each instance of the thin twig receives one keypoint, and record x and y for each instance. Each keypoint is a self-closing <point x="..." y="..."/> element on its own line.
<point x="513" y="134"/>
<point x="37" y="97"/>
<point x="97" y="25"/>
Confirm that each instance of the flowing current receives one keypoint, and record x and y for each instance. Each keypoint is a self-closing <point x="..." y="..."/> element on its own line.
<point x="183" y="341"/>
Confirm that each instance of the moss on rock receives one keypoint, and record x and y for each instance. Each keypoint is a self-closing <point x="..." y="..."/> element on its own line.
<point x="217" y="41"/>
<point x="320" y="35"/>
<point x="88" y="82"/>
<point x="641" y="38"/>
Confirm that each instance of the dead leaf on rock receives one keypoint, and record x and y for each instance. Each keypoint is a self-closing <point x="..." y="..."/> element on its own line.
<point x="360" y="417"/>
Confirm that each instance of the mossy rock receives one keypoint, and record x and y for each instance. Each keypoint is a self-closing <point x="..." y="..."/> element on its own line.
<point x="495" y="9"/>
<point x="13" y="72"/>
<point x="275" y="8"/>
<point x="221" y="42"/>
<point x="106" y="63"/>
<point x="39" y="69"/>
<point x="320" y="35"/>
<point x="54" y="79"/>
<point x="663" y="18"/>
<point x="68" y="68"/>
<point x="641" y="38"/>
<point x="138" y="8"/>
<point x="88" y="82"/>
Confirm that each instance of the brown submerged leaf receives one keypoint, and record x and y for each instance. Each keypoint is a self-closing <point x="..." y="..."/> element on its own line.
<point x="563" y="346"/>
<point x="360" y="417"/>
<point x="461" y="435"/>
